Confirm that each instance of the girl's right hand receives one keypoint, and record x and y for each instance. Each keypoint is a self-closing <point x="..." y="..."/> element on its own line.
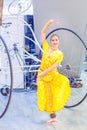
<point x="53" y="21"/>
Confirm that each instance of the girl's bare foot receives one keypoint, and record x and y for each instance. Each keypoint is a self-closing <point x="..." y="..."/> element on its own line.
<point x="52" y="120"/>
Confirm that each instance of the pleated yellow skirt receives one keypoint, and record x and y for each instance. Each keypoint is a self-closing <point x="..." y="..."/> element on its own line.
<point x="54" y="94"/>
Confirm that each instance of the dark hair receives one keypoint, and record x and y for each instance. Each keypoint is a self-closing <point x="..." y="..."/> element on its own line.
<point x="54" y="35"/>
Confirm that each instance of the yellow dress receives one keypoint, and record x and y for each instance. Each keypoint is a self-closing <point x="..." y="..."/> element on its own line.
<point x="53" y="89"/>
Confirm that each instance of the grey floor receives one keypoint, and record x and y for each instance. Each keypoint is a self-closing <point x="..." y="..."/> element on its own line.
<point x="23" y="114"/>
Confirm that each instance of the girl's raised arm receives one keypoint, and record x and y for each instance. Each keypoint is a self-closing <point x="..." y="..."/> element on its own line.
<point x="45" y="28"/>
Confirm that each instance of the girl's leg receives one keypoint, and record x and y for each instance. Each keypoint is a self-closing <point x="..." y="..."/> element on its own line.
<point x="53" y="115"/>
<point x="52" y="118"/>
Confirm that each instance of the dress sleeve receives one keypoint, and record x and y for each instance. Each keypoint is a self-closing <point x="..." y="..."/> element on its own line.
<point x="60" y="58"/>
<point x="45" y="45"/>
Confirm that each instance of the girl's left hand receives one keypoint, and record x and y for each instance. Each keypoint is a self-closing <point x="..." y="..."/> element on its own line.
<point x="37" y="80"/>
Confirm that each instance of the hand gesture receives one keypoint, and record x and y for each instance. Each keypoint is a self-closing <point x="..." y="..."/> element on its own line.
<point x="53" y="21"/>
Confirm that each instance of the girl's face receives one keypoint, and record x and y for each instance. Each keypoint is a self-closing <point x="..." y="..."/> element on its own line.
<point x="54" y="41"/>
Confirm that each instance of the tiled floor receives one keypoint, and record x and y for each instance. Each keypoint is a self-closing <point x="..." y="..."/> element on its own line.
<point x="23" y="114"/>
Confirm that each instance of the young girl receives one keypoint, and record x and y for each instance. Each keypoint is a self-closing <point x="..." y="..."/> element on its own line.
<point x="53" y="88"/>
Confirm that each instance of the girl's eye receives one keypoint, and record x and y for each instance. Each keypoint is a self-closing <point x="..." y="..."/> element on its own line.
<point x="55" y="40"/>
<point x="52" y="40"/>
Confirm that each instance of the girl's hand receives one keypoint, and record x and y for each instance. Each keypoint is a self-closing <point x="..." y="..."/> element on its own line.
<point x="53" y="21"/>
<point x="37" y="80"/>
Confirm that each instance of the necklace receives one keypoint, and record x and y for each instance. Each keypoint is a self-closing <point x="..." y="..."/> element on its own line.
<point x="50" y="51"/>
<point x="53" y="49"/>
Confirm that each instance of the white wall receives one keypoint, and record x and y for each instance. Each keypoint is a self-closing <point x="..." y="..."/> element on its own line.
<point x="70" y="14"/>
<point x="13" y="12"/>
<point x="13" y="33"/>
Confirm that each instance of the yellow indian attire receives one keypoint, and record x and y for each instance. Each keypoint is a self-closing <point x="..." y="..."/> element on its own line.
<point x="53" y="89"/>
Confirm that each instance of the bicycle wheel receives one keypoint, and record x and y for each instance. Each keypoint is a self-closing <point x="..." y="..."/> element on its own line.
<point x="79" y="92"/>
<point x="6" y="78"/>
